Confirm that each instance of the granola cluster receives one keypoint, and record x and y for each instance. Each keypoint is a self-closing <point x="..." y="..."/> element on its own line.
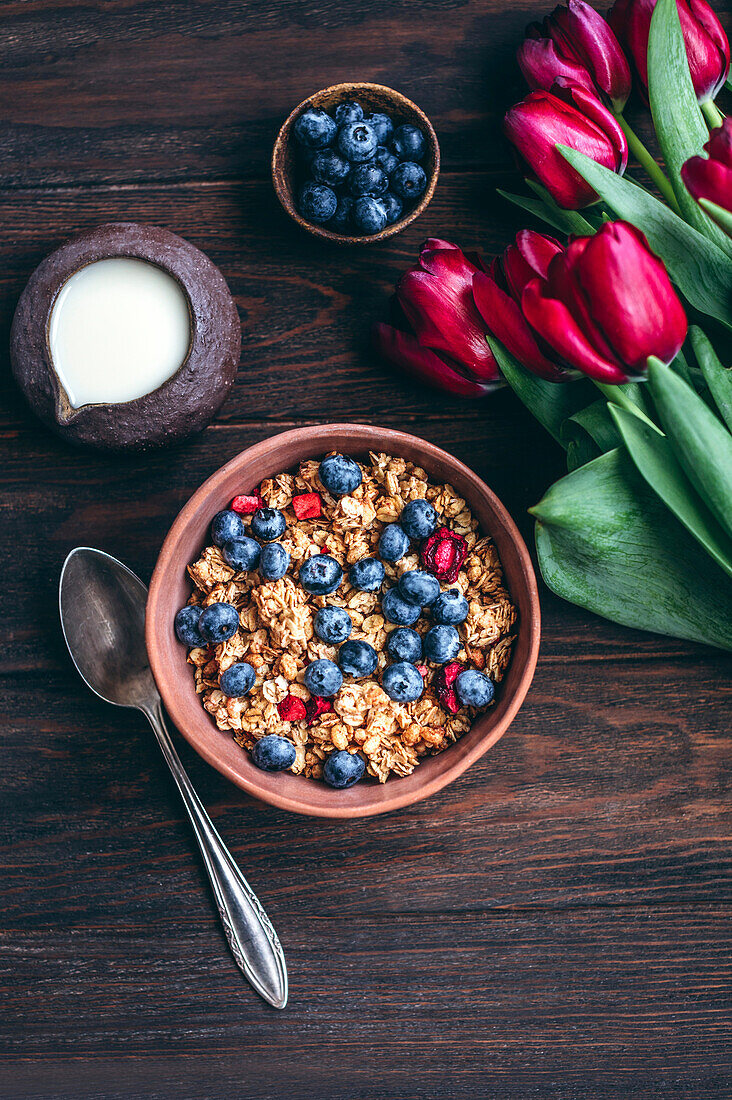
<point x="276" y="635"/>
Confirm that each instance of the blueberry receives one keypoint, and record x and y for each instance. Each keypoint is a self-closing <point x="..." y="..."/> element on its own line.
<point x="348" y="112"/>
<point x="341" y="220"/>
<point x="314" y="129"/>
<point x="333" y="625"/>
<point x="357" y="141"/>
<point x="408" y="142"/>
<point x="367" y="575"/>
<point x="419" y="587"/>
<point x="408" y="181"/>
<point x="241" y="554"/>
<point x="237" y="680"/>
<point x="396" y="609"/>
<point x="320" y="575"/>
<point x="186" y="626"/>
<point x="219" y="622"/>
<point x="382" y="125"/>
<point x="450" y="607"/>
<point x="402" y="682"/>
<point x="323" y="678"/>
<point x="268" y="524"/>
<point x="393" y="206"/>
<point x="419" y="519"/>
<point x="385" y="159"/>
<point x="342" y="769"/>
<point x="368" y="215"/>
<point x="441" y="644"/>
<point x="404" y="644"/>
<point x="273" y="561"/>
<point x="357" y="658"/>
<point x="226" y="526"/>
<point x="393" y="543"/>
<point x="327" y="167"/>
<point x="474" y="689"/>
<point x="340" y="475"/>
<point x="317" y="203"/>
<point x="368" y="179"/>
<point x="273" y="753"/>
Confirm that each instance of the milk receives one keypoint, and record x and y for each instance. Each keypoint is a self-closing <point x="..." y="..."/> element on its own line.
<point x="118" y="329"/>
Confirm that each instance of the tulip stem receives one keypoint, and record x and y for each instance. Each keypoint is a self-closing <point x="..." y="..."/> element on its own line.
<point x="712" y="114"/>
<point x="651" y="166"/>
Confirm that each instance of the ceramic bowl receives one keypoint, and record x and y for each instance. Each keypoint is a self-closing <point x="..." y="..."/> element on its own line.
<point x="170" y="588"/>
<point x="373" y="97"/>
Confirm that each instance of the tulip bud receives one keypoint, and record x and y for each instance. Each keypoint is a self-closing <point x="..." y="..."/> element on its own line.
<point x="439" y="336"/>
<point x="606" y="305"/>
<point x="575" y="42"/>
<point x="498" y="293"/>
<point x="707" y="47"/>
<point x="567" y="115"/>
<point x="709" y="179"/>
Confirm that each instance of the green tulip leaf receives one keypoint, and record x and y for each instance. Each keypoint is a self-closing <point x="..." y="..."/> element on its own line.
<point x="537" y="209"/>
<point x="590" y="429"/>
<point x="655" y="461"/>
<point x="679" y="123"/>
<point x="701" y="270"/>
<point x="608" y="543"/>
<point x="717" y="377"/>
<point x="700" y="440"/>
<point x="550" y="402"/>
<point x="573" y="221"/>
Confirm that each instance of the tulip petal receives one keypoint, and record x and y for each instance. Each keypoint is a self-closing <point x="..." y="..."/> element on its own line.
<point x="642" y="314"/>
<point x="528" y="257"/>
<point x="596" y="44"/>
<point x="553" y="320"/>
<point x="403" y="350"/>
<point x="541" y="64"/>
<point x="441" y="311"/>
<point x="507" y="323"/>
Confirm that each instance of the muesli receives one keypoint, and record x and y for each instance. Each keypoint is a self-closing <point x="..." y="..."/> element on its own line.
<point x="347" y="618"/>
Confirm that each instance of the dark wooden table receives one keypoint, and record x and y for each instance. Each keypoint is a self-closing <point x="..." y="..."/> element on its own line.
<point x="552" y="925"/>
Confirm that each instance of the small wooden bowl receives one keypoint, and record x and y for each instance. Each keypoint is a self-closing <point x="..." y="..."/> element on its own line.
<point x="373" y="97"/>
<point x="170" y="589"/>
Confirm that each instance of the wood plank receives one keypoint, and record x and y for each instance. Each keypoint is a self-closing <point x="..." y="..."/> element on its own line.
<point x="573" y="1004"/>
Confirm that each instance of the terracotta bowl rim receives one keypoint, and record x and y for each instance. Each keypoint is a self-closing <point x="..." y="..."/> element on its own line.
<point x="195" y="724"/>
<point x="284" y="137"/>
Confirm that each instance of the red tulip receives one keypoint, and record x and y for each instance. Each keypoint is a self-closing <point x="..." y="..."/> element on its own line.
<point x="498" y="293"/>
<point x="707" y="47"/>
<point x="567" y="115"/>
<point x="607" y="304"/>
<point x="575" y="42"/>
<point x="709" y="179"/>
<point x="440" y="337"/>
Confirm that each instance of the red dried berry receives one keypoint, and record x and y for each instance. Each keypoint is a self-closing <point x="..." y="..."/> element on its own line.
<point x="442" y="684"/>
<point x="443" y="553"/>
<point x="247" y="505"/>
<point x="422" y="670"/>
<point x="316" y="706"/>
<point x="291" y="709"/>
<point x="307" y="505"/>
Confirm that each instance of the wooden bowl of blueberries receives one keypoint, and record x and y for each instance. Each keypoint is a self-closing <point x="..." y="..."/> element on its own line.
<point x="355" y="163"/>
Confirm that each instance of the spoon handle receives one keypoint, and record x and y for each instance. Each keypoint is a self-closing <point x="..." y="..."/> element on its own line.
<point x="252" y="939"/>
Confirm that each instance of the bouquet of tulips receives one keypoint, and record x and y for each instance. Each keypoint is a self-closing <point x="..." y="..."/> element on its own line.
<point x="594" y="334"/>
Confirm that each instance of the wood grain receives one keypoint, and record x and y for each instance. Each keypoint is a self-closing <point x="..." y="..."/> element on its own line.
<point x="554" y="924"/>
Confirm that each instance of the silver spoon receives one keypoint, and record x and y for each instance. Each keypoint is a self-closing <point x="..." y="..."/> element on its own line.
<point x="102" y="607"/>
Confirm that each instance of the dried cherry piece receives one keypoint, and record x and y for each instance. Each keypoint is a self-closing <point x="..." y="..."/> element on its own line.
<point x="291" y="709"/>
<point x="443" y="682"/>
<point x="247" y="505"/>
<point x="307" y="505"/>
<point x="443" y="553"/>
<point x="315" y="706"/>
